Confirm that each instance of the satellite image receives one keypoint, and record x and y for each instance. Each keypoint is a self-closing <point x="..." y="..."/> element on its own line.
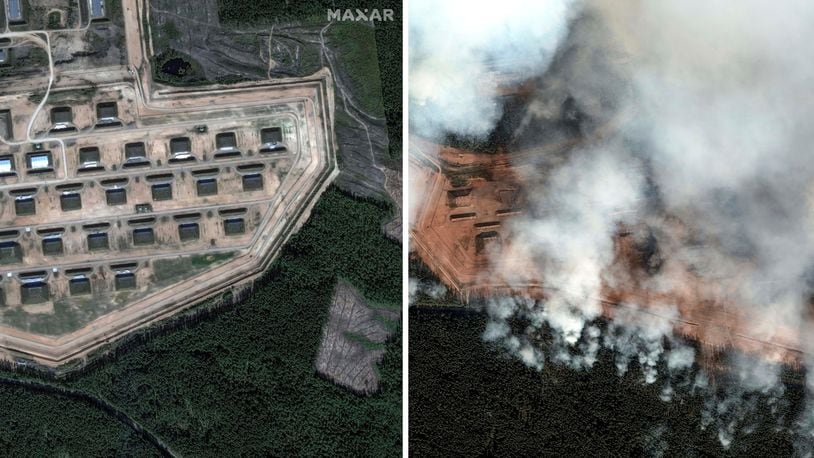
<point x="611" y="234"/>
<point x="605" y="246"/>
<point x="200" y="228"/>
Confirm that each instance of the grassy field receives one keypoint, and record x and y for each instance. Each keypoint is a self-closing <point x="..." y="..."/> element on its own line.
<point x="67" y="316"/>
<point x="356" y="47"/>
<point x="389" y="45"/>
<point x="166" y="271"/>
<point x="386" y="85"/>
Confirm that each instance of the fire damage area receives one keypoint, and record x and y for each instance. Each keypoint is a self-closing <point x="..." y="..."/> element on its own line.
<point x="628" y="181"/>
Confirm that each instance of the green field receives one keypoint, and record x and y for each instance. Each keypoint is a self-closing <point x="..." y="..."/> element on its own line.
<point x="356" y="47"/>
<point x="171" y="270"/>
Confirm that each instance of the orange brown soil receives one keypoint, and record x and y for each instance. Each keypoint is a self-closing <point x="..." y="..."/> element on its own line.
<point x="461" y="229"/>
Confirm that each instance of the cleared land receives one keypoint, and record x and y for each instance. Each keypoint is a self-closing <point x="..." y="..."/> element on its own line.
<point x="354" y="340"/>
<point x="239" y="41"/>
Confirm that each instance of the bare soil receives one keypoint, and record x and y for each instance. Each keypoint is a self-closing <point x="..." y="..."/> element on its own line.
<point x="353" y="340"/>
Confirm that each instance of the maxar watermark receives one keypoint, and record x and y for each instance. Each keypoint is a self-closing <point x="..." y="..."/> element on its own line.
<point x="360" y="15"/>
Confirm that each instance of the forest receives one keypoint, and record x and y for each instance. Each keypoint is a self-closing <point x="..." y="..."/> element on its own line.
<point x="469" y="398"/>
<point x="38" y="421"/>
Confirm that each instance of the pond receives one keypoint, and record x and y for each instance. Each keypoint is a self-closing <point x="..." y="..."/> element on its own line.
<point x="176" y="67"/>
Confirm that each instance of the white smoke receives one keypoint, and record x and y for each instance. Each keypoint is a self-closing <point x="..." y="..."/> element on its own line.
<point x="431" y="289"/>
<point x="639" y="335"/>
<point x="721" y="102"/>
<point x="573" y="238"/>
<point x="733" y="410"/>
<point x="727" y="142"/>
<point x="455" y="48"/>
<point x="804" y="425"/>
<point x="654" y="443"/>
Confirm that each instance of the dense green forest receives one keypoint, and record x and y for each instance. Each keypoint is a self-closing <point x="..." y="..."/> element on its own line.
<point x="389" y="45"/>
<point x="36" y="423"/>
<point x="241" y="381"/>
<point x="468" y="398"/>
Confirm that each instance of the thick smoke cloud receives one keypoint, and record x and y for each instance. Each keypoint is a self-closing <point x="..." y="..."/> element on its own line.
<point x="716" y="104"/>
<point x="455" y="48"/>
<point x="724" y="105"/>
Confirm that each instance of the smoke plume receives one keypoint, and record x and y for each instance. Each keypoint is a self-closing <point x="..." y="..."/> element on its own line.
<point x="457" y="46"/>
<point x="708" y="159"/>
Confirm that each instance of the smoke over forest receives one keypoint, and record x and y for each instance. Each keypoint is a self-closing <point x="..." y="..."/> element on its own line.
<point x="693" y="203"/>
